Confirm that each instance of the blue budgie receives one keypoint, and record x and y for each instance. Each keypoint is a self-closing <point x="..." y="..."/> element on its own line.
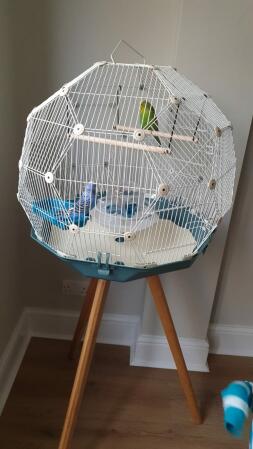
<point x="87" y="200"/>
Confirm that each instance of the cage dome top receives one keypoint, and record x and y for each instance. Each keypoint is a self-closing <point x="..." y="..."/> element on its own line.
<point x="128" y="163"/>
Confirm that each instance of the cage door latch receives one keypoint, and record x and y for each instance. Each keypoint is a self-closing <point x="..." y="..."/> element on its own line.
<point x="103" y="268"/>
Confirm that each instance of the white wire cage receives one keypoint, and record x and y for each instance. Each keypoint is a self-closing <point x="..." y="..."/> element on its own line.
<point x="95" y="180"/>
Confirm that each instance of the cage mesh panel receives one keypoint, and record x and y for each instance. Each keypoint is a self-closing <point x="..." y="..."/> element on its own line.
<point x="114" y="93"/>
<point x="224" y="172"/>
<point x="106" y="101"/>
<point x="49" y="132"/>
<point x="185" y="88"/>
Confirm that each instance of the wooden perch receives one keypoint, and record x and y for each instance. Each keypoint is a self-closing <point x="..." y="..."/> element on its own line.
<point x="121" y="144"/>
<point x="157" y="133"/>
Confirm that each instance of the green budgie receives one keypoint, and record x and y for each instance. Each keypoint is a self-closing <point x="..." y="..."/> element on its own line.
<point x="148" y="118"/>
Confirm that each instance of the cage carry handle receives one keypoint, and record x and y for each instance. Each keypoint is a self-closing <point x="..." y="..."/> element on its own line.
<point x="123" y="42"/>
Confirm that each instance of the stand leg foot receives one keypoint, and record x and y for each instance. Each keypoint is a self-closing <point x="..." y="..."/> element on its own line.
<point x="84" y="364"/>
<point x="170" y="332"/>
<point x="83" y="319"/>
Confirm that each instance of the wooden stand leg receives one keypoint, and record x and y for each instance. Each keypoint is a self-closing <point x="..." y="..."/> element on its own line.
<point x="84" y="364"/>
<point x="170" y="332"/>
<point x="83" y="318"/>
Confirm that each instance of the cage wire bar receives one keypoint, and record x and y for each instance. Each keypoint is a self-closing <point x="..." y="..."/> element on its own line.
<point x="94" y="182"/>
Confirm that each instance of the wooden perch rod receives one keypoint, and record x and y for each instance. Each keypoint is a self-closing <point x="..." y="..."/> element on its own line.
<point x="121" y="144"/>
<point x="157" y="133"/>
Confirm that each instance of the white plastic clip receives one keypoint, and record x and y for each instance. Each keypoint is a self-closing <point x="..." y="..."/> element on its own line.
<point x="74" y="229"/>
<point x="175" y="100"/>
<point x="49" y="177"/>
<point x="129" y="236"/>
<point x="64" y="90"/>
<point x="139" y="135"/>
<point x="218" y="131"/>
<point x="78" y="129"/>
<point x="212" y="184"/>
<point x="163" y="190"/>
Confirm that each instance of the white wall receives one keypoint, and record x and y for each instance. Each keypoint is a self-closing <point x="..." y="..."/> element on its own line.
<point x="10" y="304"/>
<point x="20" y="38"/>
<point x="214" y="48"/>
<point x="233" y="302"/>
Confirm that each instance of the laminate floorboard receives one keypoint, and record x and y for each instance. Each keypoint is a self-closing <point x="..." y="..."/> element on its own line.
<point x="123" y="407"/>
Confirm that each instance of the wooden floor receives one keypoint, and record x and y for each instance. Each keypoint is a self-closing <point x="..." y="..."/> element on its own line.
<point x="124" y="407"/>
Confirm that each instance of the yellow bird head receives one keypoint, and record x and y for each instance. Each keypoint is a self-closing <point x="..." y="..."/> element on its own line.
<point x="145" y="105"/>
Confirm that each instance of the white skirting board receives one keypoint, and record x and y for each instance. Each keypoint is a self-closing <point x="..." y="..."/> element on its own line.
<point x="12" y="357"/>
<point x="145" y="350"/>
<point x="153" y="351"/>
<point x="114" y="328"/>
<point x="231" y="340"/>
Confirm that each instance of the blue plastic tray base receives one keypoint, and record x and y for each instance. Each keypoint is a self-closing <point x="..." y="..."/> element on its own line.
<point x="121" y="273"/>
<point x="51" y="210"/>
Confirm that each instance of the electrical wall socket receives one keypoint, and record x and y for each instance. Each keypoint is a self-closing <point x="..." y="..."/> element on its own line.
<point x="73" y="287"/>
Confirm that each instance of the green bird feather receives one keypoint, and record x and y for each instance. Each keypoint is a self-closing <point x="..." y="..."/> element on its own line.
<point x="148" y="119"/>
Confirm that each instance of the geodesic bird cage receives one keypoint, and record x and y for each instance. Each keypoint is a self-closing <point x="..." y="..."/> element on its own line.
<point x="114" y="196"/>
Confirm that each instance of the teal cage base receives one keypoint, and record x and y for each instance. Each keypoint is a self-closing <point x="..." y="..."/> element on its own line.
<point x="122" y="273"/>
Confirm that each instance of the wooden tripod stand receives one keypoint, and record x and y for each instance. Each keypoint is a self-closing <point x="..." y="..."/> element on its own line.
<point x="91" y="313"/>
